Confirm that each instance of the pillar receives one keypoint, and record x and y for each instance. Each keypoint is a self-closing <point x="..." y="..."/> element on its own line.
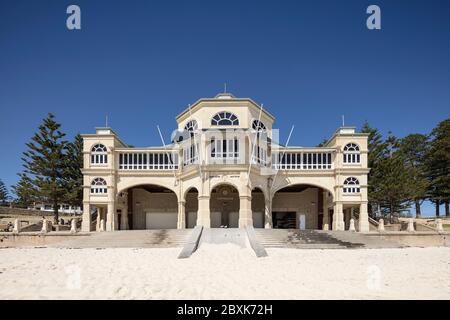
<point x="99" y="218"/>
<point x="363" y="218"/>
<point x="110" y="219"/>
<point x="86" y="222"/>
<point x="203" y="214"/>
<point x="268" y="222"/>
<point x="245" y="211"/>
<point x="338" y="217"/>
<point x="181" y="222"/>
<point x="326" y="214"/>
<point x="124" y="219"/>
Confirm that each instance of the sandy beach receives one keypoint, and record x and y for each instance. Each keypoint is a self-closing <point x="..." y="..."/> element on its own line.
<point x="224" y="272"/>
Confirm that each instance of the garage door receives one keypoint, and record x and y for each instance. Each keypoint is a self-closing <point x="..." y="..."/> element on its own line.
<point x="165" y="220"/>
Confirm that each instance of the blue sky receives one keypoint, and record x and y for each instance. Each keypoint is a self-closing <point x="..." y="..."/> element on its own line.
<point x="142" y="62"/>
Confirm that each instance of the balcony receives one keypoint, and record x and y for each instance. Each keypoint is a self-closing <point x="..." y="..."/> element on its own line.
<point x="148" y="160"/>
<point x="302" y="160"/>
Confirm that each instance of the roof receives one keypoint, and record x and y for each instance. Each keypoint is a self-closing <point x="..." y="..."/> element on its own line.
<point x="224" y="97"/>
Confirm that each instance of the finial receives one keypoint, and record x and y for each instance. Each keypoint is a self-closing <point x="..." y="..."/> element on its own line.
<point x="225" y="87"/>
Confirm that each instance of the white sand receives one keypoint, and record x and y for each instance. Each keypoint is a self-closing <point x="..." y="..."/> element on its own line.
<point x="225" y="272"/>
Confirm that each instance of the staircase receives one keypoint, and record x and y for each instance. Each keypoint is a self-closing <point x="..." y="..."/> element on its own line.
<point x="129" y="239"/>
<point x="317" y="239"/>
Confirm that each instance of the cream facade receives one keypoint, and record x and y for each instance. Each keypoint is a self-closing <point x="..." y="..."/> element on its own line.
<point x="225" y="168"/>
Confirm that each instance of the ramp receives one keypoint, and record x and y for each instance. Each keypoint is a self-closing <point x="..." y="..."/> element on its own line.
<point x="243" y="238"/>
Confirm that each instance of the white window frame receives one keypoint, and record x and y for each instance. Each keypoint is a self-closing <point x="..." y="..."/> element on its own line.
<point x="351" y="186"/>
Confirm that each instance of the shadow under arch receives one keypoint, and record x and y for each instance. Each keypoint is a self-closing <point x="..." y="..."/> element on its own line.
<point x="224" y="205"/>
<point x="302" y="206"/>
<point x="258" y="207"/>
<point x="150" y="206"/>
<point x="191" y="207"/>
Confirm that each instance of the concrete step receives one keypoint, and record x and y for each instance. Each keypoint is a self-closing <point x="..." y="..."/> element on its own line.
<point x="129" y="239"/>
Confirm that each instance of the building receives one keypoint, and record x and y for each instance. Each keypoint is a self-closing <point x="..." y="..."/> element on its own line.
<point x="62" y="208"/>
<point x="224" y="167"/>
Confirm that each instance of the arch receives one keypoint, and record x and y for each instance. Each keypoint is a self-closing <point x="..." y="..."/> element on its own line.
<point x="152" y="206"/>
<point x="99" y="154"/>
<point x="224" y="205"/>
<point x="302" y="206"/>
<point x="311" y="184"/>
<point x="132" y="183"/>
<point x="351" y="147"/>
<point x="229" y="183"/>
<point x="225" y="118"/>
<point x="351" y="185"/>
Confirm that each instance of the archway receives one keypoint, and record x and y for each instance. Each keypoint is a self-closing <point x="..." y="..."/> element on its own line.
<point x="191" y="198"/>
<point x="302" y="206"/>
<point x="224" y="206"/>
<point x="151" y="206"/>
<point x="258" y="207"/>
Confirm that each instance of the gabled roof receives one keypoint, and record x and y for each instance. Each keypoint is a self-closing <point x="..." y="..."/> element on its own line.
<point x="223" y="97"/>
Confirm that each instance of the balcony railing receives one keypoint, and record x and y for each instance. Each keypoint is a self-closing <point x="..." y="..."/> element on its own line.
<point x="148" y="160"/>
<point x="302" y="161"/>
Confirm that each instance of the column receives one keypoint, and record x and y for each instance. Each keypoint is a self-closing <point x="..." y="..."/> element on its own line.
<point x="181" y="222"/>
<point x="203" y="214"/>
<point x="110" y="219"/>
<point x="326" y="216"/>
<point x="338" y="217"/>
<point x="86" y="223"/>
<point x="99" y="218"/>
<point x="347" y="218"/>
<point x="268" y="222"/>
<point x="124" y="219"/>
<point x="245" y="211"/>
<point x="363" y="218"/>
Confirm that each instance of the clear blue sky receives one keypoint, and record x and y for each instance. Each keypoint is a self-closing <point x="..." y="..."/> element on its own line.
<point x="142" y="62"/>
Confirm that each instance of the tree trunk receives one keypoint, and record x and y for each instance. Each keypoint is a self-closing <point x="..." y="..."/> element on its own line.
<point x="447" y="213"/>
<point x="438" y="203"/>
<point x="418" y="212"/>
<point x="391" y="212"/>
<point x="55" y="211"/>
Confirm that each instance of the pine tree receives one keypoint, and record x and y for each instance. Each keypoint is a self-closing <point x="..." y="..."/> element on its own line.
<point x="73" y="177"/>
<point x="44" y="165"/>
<point x="438" y="166"/>
<point x="3" y="193"/>
<point x="25" y="191"/>
<point x="377" y="149"/>
<point x="414" y="149"/>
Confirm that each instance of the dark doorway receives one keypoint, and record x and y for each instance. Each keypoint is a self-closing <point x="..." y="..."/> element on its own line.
<point x="284" y="220"/>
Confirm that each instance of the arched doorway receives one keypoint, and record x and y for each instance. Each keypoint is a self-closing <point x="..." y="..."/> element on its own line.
<point x="224" y="206"/>
<point x="302" y="206"/>
<point x="151" y="207"/>
<point x="191" y="199"/>
<point x="258" y="207"/>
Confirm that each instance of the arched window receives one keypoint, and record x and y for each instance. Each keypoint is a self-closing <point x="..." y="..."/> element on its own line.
<point x="98" y="186"/>
<point x="225" y="119"/>
<point x="99" y="154"/>
<point x="351" y="185"/>
<point x="352" y="153"/>
<point x="258" y="126"/>
<point x="191" y="126"/>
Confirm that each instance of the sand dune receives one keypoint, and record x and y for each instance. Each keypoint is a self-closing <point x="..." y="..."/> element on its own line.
<point x="224" y="272"/>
